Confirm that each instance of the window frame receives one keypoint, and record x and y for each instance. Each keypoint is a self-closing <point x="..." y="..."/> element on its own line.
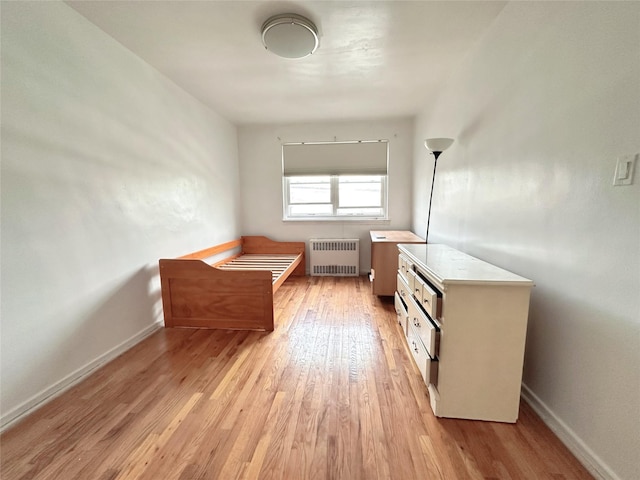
<point x="334" y="198"/>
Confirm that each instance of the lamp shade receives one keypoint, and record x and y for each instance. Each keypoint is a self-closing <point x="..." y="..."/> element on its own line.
<point x="290" y="36"/>
<point x="438" y="144"/>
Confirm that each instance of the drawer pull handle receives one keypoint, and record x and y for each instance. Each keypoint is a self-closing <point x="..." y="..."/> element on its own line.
<point x="426" y="300"/>
<point x="415" y="347"/>
<point x="416" y="322"/>
<point x="402" y="293"/>
<point x="417" y="290"/>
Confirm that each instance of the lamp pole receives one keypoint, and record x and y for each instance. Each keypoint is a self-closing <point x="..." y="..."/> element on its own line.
<point x="433" y="180"/>
<point x="435" y="146"/>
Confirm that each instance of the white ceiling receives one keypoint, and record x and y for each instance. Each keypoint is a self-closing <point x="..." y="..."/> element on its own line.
<point x="376" y="58"/>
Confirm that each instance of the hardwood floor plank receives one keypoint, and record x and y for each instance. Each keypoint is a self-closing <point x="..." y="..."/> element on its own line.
<point x="332" y="393"/>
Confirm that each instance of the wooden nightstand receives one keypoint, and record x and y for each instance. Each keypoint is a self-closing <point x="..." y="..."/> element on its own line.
<point x="384" y="258"/>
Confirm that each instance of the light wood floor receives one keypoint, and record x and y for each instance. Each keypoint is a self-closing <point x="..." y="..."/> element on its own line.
<point x="332" y="393"/>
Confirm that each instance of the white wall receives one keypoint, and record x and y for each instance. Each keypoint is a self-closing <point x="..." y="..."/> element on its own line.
<point x="540" y="110"/>
<point x="260" y="148"/>
<point x="106" y="167"/>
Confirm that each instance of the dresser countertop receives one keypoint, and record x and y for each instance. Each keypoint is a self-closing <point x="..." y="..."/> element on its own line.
<point x="394" y="236"/>
<point x="450" y="266"/>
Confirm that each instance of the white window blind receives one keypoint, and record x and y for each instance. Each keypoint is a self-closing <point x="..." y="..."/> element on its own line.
<point x="338" y="158"/>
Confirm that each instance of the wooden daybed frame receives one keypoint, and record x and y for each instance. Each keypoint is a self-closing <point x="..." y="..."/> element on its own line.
<point x="233" y="293"/>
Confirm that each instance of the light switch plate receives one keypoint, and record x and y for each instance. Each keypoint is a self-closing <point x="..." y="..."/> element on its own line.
<point x="625" y="167"/>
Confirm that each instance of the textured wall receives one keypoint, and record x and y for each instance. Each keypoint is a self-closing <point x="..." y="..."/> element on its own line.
<point x="106" y="167"/>
<point x="540" y="110"/>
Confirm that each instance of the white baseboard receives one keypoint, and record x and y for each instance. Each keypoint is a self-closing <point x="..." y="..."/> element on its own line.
<point x="573" y="442"/>
<point x="39" y="399"/>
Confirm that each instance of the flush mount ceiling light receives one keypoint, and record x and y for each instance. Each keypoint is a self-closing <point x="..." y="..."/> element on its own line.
<point x="290" y="35"/>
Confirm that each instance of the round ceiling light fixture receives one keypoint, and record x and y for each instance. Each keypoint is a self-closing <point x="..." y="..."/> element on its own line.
<point x="290" y="36"/>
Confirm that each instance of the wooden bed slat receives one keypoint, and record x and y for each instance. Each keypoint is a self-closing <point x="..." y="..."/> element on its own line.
<point x="265" y="264"/>
<point x="256" y="266"/>
<point x="262" y="261"/>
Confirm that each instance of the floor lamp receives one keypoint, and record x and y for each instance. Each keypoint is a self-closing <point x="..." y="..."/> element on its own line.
<point x="436" y="146"/>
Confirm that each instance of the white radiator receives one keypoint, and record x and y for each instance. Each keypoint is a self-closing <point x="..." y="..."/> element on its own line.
<point x="338" y="257"/>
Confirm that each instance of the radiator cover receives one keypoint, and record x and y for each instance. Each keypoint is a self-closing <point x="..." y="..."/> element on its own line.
<point x="336" y="257"/>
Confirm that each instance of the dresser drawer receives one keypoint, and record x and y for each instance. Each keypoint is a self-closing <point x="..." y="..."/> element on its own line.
<point x="415" y="284"/>
<point x="403" y="289"/>
<point x="405" y="267"/>
<point x="428" y="297"/>
<point x="428" y="367"/>
<point x="428" y="332"/>
<point x="401" y="311"/>
<point x="402" y="265"/>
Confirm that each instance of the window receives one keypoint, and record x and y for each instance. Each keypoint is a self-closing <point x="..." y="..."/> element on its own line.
<point x="335" y="196"/>
<point x="335" y="180"/>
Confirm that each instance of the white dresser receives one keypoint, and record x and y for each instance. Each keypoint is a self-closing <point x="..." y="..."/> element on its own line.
<point x="465" y="322"/>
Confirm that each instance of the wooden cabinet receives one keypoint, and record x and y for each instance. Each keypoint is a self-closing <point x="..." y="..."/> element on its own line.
<point x="465" y="323"/>
<point x="384" y="258"/>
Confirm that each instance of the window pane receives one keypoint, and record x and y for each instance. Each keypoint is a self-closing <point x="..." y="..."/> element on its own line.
<point x="303" y="210"/>
<point x="310" y="179"/>
<point x="359" y="178"/>
<point x="362" y="212"/>
<point x="360" y="191"/>
<point x="309" y="190"/>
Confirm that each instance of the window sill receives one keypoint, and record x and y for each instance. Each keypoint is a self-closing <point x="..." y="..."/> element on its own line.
<point x="379" y="221"/>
